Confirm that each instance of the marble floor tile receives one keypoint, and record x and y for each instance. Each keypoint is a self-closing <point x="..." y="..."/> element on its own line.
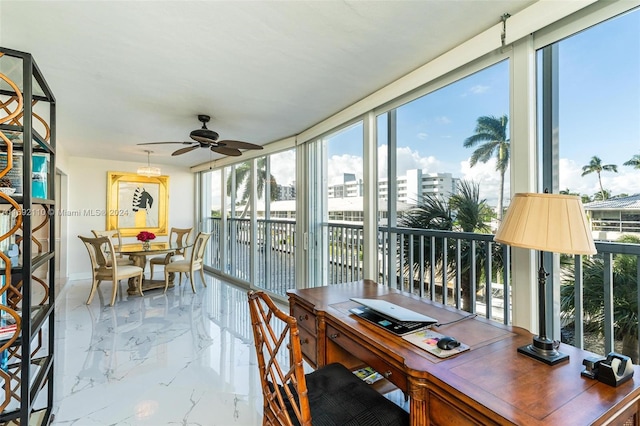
<point x="163" y="359"/>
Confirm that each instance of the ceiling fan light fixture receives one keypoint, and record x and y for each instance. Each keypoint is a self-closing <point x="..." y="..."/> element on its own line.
<point x="204" y="135"/>
<point x="148" y="170"/>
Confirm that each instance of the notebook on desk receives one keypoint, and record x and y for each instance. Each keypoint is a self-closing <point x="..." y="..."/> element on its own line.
<point x="391" y="317"/>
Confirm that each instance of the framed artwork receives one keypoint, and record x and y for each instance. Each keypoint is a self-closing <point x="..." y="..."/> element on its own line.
<point x="137" y="203"/>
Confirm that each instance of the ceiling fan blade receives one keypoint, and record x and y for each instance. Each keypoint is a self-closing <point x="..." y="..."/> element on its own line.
<point x="238" y="144"/>
<point x="226" y="151"/>
<point x="185" y="150"/>
<point x="158" y="143"/>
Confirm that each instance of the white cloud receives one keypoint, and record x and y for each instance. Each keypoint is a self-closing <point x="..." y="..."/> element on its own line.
<point x="407" y="159"/>
<point x="422" y="135"/>
<point x="443" y="120"/>
<point x="625" y="181"/>
<point x="488" y="177"/>
<point x="338" y="165"/>
<point x="479" y="89"/>
<point x="283" y="167"/>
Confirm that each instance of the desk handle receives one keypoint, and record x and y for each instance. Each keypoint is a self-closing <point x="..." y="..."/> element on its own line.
<point x="387" y="374"/>
<point x="304" y="341"/>
<point x="334" y="336"/>
<point x="303" y="317"/>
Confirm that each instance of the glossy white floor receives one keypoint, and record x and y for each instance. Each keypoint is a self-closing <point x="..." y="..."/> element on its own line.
<point x="174" y="359"/>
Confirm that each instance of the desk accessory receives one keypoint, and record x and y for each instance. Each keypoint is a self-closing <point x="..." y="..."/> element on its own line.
<point x="428" y="340"/>
<point x="546" y="222"/>
<point x="613" y="370"/>
<point x="394" y="311"/>
<point x="399" y="328"/>
<point x="368" y="374"/>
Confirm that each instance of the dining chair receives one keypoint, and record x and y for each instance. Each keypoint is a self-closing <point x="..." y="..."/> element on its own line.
<point x="188" y="266"/>
<point x="103" y="269"/>
<point x="114" y="235"/>
<point x="330" y="395"/>
<point x="178" y="235"/>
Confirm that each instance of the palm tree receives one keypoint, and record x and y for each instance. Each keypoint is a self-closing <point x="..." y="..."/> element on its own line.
<point x="465" y="212"/>
<point x="491" y="136"/>
<point x="242" y="173"/>
<point x="635" y="162"/>
<point x="596" y="166"/>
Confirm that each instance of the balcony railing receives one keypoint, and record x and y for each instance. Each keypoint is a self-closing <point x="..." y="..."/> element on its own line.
<point x="613" y="225"/>
<point x="465" y="270"/>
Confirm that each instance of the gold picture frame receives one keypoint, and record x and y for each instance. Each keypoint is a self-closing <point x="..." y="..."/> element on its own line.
<point x="137" y="203"/>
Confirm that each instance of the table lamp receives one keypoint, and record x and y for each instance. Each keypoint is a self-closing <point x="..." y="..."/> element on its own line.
<point x="546" y="222"/>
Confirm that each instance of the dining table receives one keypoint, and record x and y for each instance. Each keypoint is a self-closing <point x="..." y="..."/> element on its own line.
<point x="138" y="255"/>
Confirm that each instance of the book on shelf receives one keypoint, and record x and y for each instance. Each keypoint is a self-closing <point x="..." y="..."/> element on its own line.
<point x="8" y="327"/>
<point x="368" y="374"/>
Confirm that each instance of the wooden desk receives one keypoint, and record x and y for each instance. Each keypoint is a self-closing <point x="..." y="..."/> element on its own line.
<point x="491" y="384"/>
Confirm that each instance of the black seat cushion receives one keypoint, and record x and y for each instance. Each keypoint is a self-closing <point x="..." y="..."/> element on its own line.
<point x="337" y="397"/>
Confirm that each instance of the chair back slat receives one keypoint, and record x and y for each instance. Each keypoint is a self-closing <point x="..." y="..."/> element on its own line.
<point x="199" y="247"/>
<point x="180" y="236"/>
<point x="99" y="249"/>
<point x="279" y="354"/>
<point x="115" y="237"/>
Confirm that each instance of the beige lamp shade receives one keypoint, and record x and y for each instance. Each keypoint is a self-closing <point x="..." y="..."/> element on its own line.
<point x="547" y="222"/>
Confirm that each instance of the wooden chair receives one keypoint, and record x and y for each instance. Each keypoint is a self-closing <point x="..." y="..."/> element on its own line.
<point x="180" y="236"/>
<point x="114" y="235"/>
<point x="331" y="395"/>
<point x="103" y="269"/>
<point x="189" y="266"/>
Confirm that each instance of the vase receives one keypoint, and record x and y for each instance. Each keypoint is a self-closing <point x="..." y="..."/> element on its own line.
<point x="146" y="245"/>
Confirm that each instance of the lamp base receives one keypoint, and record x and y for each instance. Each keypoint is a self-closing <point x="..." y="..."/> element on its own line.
<point x="543" y="350"/>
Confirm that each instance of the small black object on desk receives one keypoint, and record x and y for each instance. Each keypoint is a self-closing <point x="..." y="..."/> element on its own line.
<point x="613" y="370"/>
<point x="447" y="343"/>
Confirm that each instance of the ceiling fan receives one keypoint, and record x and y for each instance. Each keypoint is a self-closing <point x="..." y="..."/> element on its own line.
<point x="205" y="138"/>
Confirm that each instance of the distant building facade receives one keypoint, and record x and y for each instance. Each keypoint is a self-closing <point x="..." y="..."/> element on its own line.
<point x="286" y="192"/>
<point x="350" y="187"/>
<point x="416" y="184"/>
<point x="614" y="217"/>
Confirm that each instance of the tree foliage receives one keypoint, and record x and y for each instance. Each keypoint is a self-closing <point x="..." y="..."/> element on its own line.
<point x="490" y="140"/>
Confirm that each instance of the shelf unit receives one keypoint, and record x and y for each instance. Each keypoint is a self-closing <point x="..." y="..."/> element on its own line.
<point x="27" y="281"/>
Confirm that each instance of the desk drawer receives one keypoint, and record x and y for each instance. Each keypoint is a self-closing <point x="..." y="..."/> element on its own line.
<point x="442" y="413"/>
<point x="391" y="373"/>
<point x="308" y="343"/>
<point x="306" y="319"/>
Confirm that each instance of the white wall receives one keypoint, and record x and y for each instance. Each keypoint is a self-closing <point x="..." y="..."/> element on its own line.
<point x="87" y="189"/>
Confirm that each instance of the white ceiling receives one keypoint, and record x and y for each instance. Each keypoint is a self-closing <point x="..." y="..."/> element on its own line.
<point x="129" y="72"/>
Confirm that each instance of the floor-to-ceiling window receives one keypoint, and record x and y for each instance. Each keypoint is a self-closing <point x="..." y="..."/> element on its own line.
<point x="211" y="214"/>
<point x="444" y="165"/>
<point x="276" y="222"/>
<point x="589" y="121"/>
<point x="338" y="206"/>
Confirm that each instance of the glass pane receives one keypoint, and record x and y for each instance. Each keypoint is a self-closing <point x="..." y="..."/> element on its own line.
<point x="599" y="132"/>
<point x="344" y="189"/>
<point x="451" y="174"/>
<point x="598" y="150"/>
<point x="276" y="223"/>
<point x="212" y="214"/>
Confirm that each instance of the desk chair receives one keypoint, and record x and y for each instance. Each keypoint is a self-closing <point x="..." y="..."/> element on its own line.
<point x="331" y="395"/>
<point x="114" y="235"/>
<point x="179" y="235"/>
<point x="102" y="269"/>
<point x="189" y="266"/>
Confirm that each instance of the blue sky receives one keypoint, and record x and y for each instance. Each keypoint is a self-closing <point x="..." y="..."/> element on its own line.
<point x="599" y="115"/>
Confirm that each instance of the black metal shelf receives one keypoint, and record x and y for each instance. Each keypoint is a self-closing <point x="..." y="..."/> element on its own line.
<point x="26" y="377"/>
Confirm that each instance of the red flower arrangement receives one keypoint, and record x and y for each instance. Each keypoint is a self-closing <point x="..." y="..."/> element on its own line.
<point x="146" y="236"/>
